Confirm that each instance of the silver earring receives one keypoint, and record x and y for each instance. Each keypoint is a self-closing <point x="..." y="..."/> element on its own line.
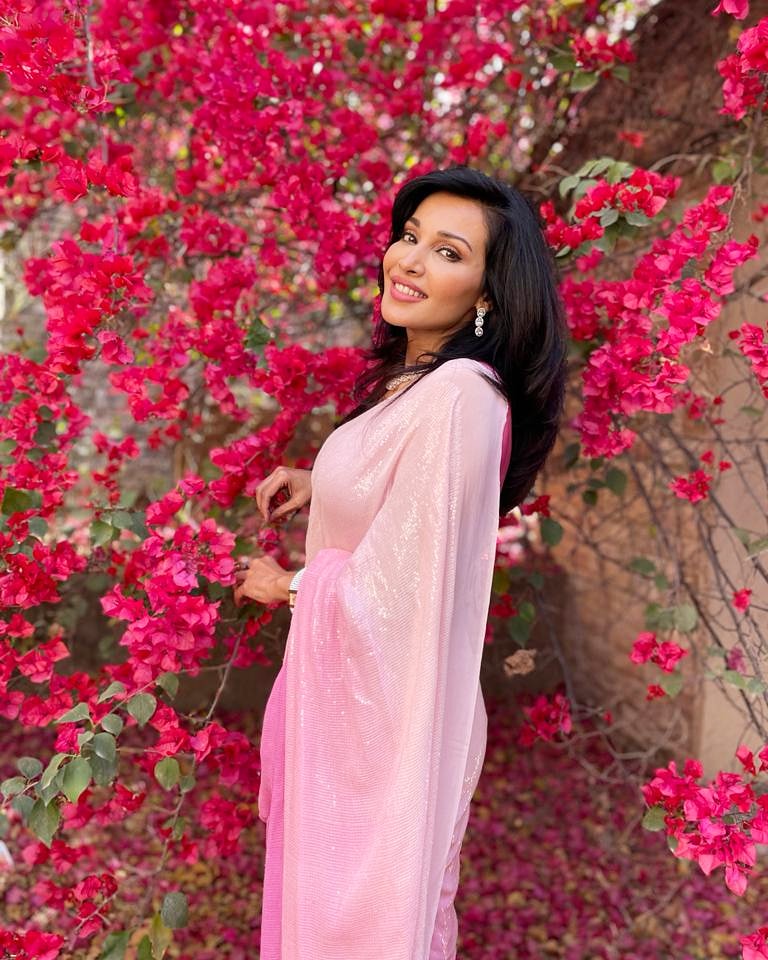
<point x="481" y="311"/>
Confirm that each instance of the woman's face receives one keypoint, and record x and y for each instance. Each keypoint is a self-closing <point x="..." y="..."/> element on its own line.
<point x="433" y="274"/>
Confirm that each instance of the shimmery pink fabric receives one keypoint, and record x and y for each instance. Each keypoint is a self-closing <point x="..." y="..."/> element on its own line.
<point x="374" y="733"/>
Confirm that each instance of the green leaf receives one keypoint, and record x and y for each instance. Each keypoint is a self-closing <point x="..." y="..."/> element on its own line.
<point x="584" y="185"/>
<point x="187" y="782"/>
<point x="616" y="481"/>
<point x="144" y="951"/>
<point x="755" y="685"/>
<point x="167" y="772"/>
<point x="583" y="81"/>
<point x="607" y="242"/>
<point x="77" y="776"/>
<point x="257" y="335"/>
<point x="23" y="804"/>
<point x="112" y="690"/>
<point x="621" y="72"/>
<point x="121" y="519"/>
<point x="115" y="945"/>
<point x="744" y="535"/>
<point x="600" y="166"/>
<point x="654" y="818"/>
<point x="138" y="525"/>
<point x="161" y="936"/>
<point x="45" y="433"/>
<point x="12" y="786"/>
<point x="104" y="746"/>
<point x="685" y="617"/>
<point x="52" y="769"/>
<point x="563" y="62"/>
<point x="586" y="168"/>
<point x="356" y="47"/>
<point x="536" y="579"/>
<point x="672" y="842"/>
<point x="44" y="820"/>
<point x="29" y="767"/>
<point x="518" y="630"/>
<point x="175" y="912"/>
<point x="101" y="533"/>
<point x="76" y="714"/>
<point x="571" y="454"/>
<point x="104" y="771"/>
<point x="619" y="170"/>
<point x="170" y="683"/>
<point x="51" y="789"/>
<point x="37" y="527"/>
<point x="735" y="678"/>
<point x="637" y="219"/>
<point x="671" y="684"/>
<point x="16" y="501"/>
<point x="608" y="216"/>
<point x="527" y="611"/>
<point x="567" y="184"/>
<point x="642" y="565"/>
<point x="757" y="546"/>
<point x="589" y="497"/>
<point x="661" y="582"/>
<point x="551" y="531"/>
<point x="141" y="707"/>
<point x="112" y="723"/>
<point x="723" y="170"/>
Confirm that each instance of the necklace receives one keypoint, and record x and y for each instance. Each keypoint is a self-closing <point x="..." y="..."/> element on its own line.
<point x="396" y="381"/>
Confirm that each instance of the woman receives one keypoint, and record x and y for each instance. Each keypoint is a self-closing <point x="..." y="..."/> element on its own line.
<point x="375" y="730"/>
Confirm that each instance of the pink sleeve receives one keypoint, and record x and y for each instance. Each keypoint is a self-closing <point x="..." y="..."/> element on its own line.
<point x="382" y="670"/>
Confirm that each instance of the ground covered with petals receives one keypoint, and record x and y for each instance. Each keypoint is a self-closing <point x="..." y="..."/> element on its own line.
<point x="555" y="864"/>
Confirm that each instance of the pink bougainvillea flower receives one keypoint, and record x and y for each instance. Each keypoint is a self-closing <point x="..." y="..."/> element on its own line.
<point x="693" y="487"/>
<point x="734" y="659"/>
<point x="747" y="759"/>
<point x="665" y="655"/>
<point x="737" y="8"/>
<point x="540" y="505"/>
<point x="755" y="946"/>
<point x="635" y="138"/>
<point x="741" y="598"/>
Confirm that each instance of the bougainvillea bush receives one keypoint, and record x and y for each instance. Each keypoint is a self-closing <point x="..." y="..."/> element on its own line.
<point x="194" y="202"/>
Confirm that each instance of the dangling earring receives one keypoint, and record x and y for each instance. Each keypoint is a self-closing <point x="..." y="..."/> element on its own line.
<point x="481" y="311"/>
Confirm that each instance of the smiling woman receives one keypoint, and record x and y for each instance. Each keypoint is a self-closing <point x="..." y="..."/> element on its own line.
<point x="433" y="277"/>
<point x="375" y="730"/>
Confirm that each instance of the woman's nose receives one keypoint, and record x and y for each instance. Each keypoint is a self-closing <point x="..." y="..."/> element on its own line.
<point x="411" y="261"/>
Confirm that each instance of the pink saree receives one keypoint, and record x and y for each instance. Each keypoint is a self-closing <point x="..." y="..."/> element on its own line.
<point x="374" y="733"/>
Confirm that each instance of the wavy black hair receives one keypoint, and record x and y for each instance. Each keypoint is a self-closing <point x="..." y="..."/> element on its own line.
<point x="524" y="336"/>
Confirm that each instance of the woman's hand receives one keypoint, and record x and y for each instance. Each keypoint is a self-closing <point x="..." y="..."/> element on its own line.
<point x="297" y="487"/>
<point x="264" y="581"/>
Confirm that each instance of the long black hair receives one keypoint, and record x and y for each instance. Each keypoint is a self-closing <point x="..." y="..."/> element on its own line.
<point x="524" y="335"/>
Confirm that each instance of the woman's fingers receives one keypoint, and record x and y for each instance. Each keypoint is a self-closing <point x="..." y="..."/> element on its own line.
<point x="267" y="489"/>
<point x="289" y="506"/>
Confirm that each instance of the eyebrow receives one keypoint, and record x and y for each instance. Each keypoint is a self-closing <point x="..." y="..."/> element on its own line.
<point x="443" y="233"/>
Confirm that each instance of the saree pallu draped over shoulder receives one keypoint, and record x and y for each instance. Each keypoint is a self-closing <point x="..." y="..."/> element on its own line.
<point x="375" y="729"/>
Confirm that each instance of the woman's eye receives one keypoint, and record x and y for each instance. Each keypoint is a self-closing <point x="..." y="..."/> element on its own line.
<point x="453" y="254"/>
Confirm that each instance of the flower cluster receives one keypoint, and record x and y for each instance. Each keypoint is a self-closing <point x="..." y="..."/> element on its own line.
<point x="715" y="825"/>
<point x="545" y="719"/>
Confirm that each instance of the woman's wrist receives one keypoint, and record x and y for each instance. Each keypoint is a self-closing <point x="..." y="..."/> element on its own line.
<point x="283" y="583"/>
